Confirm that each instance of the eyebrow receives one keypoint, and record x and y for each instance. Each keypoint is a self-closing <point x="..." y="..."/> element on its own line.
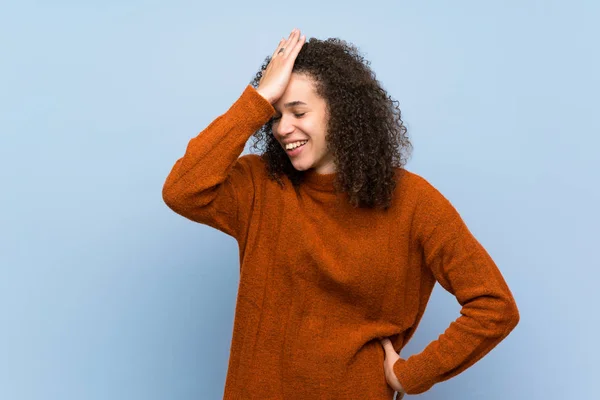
<point x="292" y="104"/>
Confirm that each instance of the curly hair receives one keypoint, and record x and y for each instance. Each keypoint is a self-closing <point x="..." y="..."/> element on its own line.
<point x="365" y="133"/>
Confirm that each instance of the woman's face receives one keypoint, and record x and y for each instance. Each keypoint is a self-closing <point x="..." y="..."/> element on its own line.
<point x="302" y="116"/>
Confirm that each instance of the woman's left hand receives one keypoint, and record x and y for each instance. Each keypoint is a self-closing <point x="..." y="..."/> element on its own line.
<point x="388" y="366"/>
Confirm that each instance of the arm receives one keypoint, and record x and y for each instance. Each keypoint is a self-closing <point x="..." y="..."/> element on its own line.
<point x="210" y="184"/>
<point x="462" y="267"/>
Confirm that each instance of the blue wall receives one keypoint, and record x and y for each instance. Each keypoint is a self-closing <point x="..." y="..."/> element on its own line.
<point x="107" y="294"/>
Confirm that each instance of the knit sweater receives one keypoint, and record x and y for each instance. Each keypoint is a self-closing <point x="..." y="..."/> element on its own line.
<point x="322" y="281"/>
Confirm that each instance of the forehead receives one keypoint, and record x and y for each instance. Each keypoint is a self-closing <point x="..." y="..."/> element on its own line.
<point x="299" y="88"/>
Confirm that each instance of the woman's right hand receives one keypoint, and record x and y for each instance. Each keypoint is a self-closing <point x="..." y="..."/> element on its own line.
<point x="276" y="76"/>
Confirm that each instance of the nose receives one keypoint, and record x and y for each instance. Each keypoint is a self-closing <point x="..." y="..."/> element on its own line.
<point x="284" y="126"/>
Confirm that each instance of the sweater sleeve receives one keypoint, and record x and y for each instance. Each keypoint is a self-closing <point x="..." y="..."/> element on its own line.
<point x="462" y="267"/>
<point x="211" y="184"/>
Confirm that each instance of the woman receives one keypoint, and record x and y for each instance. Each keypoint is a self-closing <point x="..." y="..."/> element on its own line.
<point x="336" y="273"/>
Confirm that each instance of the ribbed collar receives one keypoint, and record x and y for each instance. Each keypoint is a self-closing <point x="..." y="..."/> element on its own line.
<point x="323" y="182"/>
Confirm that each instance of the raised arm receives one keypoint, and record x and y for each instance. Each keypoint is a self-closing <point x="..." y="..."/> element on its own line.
<point x="210" y="183"/>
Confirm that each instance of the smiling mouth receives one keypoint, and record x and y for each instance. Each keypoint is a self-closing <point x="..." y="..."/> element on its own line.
<point x="295" y="150"/>
<point x="298" y="146"/>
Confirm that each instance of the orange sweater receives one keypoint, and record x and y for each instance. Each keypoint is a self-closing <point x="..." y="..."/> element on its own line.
<point x="321" y="282"/>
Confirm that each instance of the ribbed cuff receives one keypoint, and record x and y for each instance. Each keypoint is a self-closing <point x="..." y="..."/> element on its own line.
<point x="252" y="109"/>
<point x="412" y="380"/>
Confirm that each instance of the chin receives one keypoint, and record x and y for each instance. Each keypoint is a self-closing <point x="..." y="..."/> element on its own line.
<point x="301" y="167"/>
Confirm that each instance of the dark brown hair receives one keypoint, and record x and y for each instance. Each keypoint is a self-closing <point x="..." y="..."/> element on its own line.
<point x="365" y="132"/>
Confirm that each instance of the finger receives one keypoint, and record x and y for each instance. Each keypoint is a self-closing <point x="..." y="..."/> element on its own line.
<point x="298" y="46"/>
<point x="291" y="42"/>
<point x="283" y="43"/>
<point x="278" y="47"/>
<point x="387" y="345"/>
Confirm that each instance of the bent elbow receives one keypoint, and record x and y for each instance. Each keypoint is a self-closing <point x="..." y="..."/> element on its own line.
<point x="515" y="316"/>
<point x="511" y="316"/>
<point x="173" y="198"/>
<point x="168" y="195"/>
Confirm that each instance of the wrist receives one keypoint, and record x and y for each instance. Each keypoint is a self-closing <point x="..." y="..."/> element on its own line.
<point x="266" y="96"/>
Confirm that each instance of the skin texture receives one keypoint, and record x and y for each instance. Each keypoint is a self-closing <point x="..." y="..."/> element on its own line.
<point x="365" y="133"/>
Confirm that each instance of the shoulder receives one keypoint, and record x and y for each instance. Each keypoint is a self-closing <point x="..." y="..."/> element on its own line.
<point x="413" y="185"/>
<point x="410" y="178"/>
<point x="427" y="202"/>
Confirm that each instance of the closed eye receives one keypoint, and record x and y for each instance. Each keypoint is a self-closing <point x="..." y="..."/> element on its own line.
<point x="297" y="116"/>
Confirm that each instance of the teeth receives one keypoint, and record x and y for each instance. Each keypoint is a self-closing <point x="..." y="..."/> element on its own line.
<point x="294" y="145"/>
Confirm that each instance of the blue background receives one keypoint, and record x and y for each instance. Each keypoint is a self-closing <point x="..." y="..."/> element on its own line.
<point x="105" y="293"/>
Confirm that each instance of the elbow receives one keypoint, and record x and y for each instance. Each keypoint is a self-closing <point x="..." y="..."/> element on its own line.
<point x="167" y="195"/>
<point x="516" y="315"/>
<point x="511" y="315"/>
<point x="184" y="201"/>
<point x="503" y="317"/>
<point x="174" y="193"/>
<point x="171" y="197"/>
